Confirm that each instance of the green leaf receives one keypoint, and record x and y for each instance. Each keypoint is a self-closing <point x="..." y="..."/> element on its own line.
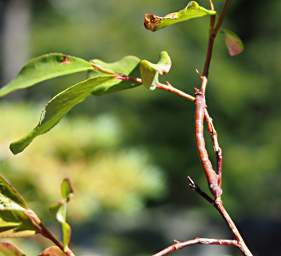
<point x="8" y="249"/>
<point x="43" y="68"/>
<point x="66" y="189"/>
<point x="60" y="105"/>
<point x="191" y="11"/>
<point x="150" y="72"/>
<point x="66" y="229"/>
<point x="10" y="199"/>
<point x="233" y="43"/>
<point x="125" y="66"/>
<point x="52" y="251"/>
<point x="63" y="102"/>
<point x="13" y="220"/>
<point x="66" y="234"/>
<point x="15" y="224"/>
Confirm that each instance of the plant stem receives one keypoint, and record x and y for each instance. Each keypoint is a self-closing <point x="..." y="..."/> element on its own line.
<point x="45" y="232"/>
<point x="200" y="107"/>
<point x="172" y="89"/>
<point x="223" y="212"/>
<point x="214" y="29"/>
<point x="206" y="241"/>
<point x="218" y="204"/>
<point x="217" y="149"/>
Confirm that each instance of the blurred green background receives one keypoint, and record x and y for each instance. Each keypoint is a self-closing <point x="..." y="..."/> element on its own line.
<point x="128" y="154"/>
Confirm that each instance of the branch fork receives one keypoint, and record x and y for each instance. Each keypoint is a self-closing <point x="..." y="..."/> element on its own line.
<point x="214" y="178"/>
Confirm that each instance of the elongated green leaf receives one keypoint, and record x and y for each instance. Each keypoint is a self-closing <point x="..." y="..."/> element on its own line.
<point x="61" y="214"/>
<point x="66" y="189"/>
<point x="233" y="43"/>
<point x="191" y="11"/>
<point x="52" y="251"/>
<point x="150" y="72"/>
<point x="43" y="68"/>
<point x="124" y="66"/>
<point x="65" y="227"/>
<point x="63" y="102"/>
<point x="10" y="199"/>
<point x="8" y="249"/>
<point x="15" y="223"/>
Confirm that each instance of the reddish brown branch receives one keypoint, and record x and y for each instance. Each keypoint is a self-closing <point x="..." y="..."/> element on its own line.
<point x="214" y="29"/>
<point x="45" y="232"/>
<point x="218" y="204"/>
<point x="214" y="179"/>
<point x="226" y="6"/>
<point x="200" y="107"/>
<point x="230" y="223"/>
<point x="206" y="241"/>
<point x="211" y="129"/>
<point x="172" y="89"/>
<point x="217" y="149"/>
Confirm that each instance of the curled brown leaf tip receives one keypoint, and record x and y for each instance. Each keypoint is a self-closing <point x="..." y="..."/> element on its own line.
<point x="151" y="21"/>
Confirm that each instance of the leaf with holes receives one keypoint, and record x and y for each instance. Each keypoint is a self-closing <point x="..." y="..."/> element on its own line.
<point x="150" y="72"/>
<point x="233" y="43"/>
<point x="63" y="102"/>
<point x="10" y="199"/>
<point x="43" y="68"/>
<point x="191" y="11"/>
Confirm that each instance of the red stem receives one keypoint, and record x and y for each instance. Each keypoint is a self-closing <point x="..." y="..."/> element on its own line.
<point x="45" y="232"/>
<point x="230" y="223"/>
<point x="200" y="107"/>
<point x="207" y="241"/>
<point x="217" y="149"/>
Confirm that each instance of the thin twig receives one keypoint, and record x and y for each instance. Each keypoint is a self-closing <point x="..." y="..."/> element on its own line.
<point x="211" y="129"/>
<point x="172" y="89"/>
<point x="230" y="223"/>
<point x="226" y="6"/>
<point x="165" y="87"/>
<point x="206" y="241"/>
<point x="195" y="187"/>
<point x="217" y="149"/>
<point x="214" y="29"/>
<point x="218" y="205"/>
<point x="123" y="77"/>
<point x="45" y="232"/>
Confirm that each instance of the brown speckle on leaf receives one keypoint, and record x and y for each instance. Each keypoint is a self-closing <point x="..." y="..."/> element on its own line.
<point x="151" y="21"/>
<point x="65" y="60"/>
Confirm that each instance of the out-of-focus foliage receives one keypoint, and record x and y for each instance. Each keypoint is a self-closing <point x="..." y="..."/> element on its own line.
<point x="8" y="249"/>
<point x="52" y="251"/>
<point x="86" y="150"/>
<point x="233" y="43"/>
